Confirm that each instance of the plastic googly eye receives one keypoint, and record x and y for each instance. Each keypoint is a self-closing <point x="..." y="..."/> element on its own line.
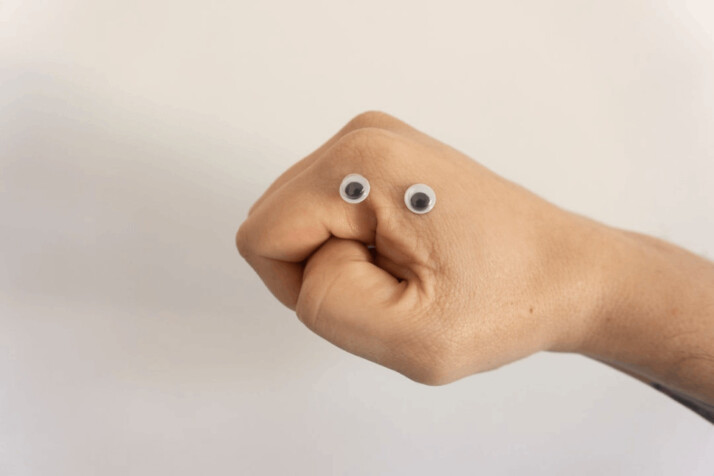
<point x="420" y="198"/>
<point x="354" y="188"/>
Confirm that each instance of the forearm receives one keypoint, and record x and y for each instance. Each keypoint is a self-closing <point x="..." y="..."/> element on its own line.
<point x="656" y="317"/>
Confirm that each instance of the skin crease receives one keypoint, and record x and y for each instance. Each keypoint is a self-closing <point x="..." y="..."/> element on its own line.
<point x="491" y="275"/>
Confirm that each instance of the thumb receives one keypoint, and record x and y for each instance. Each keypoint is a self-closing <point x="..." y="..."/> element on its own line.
<point x="350" y="301"/>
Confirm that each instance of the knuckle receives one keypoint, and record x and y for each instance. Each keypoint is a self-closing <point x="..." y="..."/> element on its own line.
<point x="370" y="119"/>
<point x="242" y="241"/>
<point x="301" y="310"/>
<point x="307" y="307"/>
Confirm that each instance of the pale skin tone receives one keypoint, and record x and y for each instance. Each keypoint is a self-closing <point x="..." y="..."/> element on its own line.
<point x="491" y="275"/>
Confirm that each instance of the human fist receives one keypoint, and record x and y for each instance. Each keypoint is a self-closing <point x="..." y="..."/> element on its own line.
<point x="492" y="274"/>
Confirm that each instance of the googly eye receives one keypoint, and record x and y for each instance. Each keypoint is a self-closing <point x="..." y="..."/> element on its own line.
<point x="420" y="198"/>
<point x="354" y="188"/>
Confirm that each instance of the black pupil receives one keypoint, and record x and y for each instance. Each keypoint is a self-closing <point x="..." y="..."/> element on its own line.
<point x="420" y="201"/>
<point x="354" y="189"/>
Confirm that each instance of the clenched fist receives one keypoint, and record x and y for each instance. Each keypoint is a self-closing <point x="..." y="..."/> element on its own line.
<point x="491" y="274"/>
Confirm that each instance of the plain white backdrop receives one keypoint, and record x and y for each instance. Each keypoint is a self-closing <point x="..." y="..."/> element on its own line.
<point x="134" y="135"/>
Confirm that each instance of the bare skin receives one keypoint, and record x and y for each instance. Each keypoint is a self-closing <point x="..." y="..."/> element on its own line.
<point x="491" y="275"/>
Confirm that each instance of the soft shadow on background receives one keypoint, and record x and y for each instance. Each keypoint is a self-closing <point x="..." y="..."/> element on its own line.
<point x="135" y="135"/>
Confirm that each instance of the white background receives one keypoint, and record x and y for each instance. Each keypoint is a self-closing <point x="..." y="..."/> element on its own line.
<point x="134" y="135"/>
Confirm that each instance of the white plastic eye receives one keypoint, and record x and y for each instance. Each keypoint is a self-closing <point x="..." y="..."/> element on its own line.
<point x="420" y="198"/>
<point x="354" y="188"/>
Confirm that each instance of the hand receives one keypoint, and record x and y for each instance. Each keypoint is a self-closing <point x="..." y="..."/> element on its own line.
<point x="492" y="274"/>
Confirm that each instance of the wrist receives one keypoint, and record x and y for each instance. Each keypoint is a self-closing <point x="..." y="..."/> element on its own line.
<point x="586" y="286"/>
<point x="656" y="312"/>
